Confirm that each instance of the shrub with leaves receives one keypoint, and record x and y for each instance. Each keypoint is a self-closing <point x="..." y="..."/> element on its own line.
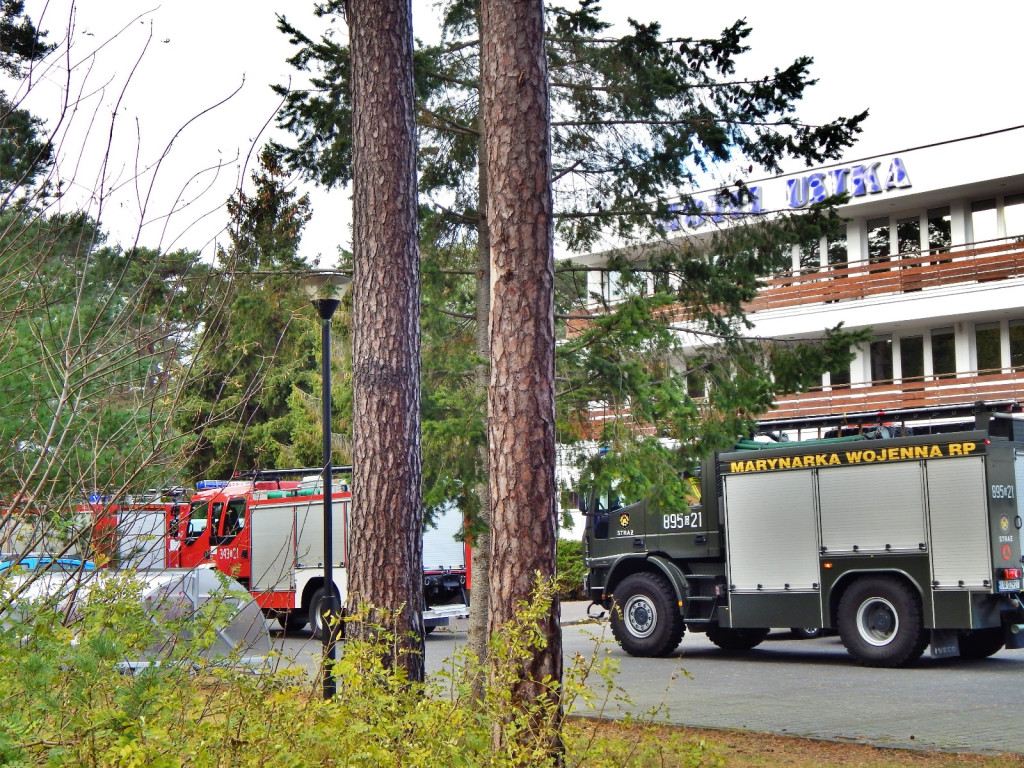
<point x="66" y="701"/>
<point x="571" y="569"/>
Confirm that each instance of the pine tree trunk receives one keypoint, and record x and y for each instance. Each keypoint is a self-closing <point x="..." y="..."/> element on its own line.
<point x="481" y="554"/>
<point x="521" y="426"/>
<point x="385" y="567"/>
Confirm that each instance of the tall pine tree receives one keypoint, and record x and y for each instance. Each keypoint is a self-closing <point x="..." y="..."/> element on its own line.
<point x="243" y="404"/>
<point x="639" y="122"/>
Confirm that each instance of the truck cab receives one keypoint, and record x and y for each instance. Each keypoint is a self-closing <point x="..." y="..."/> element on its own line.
<point x="619" y="531"/>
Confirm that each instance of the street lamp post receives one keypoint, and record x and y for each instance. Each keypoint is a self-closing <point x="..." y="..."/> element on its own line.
<point x="325" y="291"/>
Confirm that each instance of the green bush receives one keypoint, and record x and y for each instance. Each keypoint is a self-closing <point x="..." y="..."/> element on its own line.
<point x="65" y="702"/>
<point x="571" y="569"/>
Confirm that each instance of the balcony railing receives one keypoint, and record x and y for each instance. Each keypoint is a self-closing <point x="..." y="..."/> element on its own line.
<point x="977" y="263"/>
<point x="899" y="273"/>
<point x="932" y="391"/>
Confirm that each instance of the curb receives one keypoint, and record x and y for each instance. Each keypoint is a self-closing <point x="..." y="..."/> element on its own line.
<point x="577" y="612"/>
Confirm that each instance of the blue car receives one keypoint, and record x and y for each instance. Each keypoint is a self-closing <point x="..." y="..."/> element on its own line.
<point x="22" y="563"/>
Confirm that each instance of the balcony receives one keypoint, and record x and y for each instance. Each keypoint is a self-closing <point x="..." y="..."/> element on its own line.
<point x="901" y="273"/>
<point x="872" y="397"/>
<point x="978" y="263"/>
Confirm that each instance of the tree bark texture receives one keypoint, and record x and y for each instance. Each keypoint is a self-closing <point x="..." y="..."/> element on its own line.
<point x="521" y="402"/>
<point x="481" y="552"/>
<point x="385" y="567"/>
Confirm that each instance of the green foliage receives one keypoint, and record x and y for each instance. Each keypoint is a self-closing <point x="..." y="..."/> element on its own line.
<point x="65" y="702"/>
<point x="25" y="152"/>
<point x="636" y="120"/>
<point x="93" y="338"/>
<point x="571" y="569"/>
<point x="452" y="404"/>
<point x="21" y="43"/>
<point x="639" y="123"/>
<point x="252" y="399"/>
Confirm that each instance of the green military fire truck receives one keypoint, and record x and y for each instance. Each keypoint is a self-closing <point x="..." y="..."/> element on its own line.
<point x="896" y="543"/>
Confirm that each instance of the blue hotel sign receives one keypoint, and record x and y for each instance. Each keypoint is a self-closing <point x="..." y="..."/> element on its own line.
<point x="857" y="181"/>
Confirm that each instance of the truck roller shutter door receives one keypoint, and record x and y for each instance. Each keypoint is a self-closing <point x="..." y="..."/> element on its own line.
<point x="872" y="508"/>
<point x="959" y="522"/>
<point x="773" y="534"/>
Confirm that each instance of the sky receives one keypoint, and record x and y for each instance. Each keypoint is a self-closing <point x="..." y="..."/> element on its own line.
<point x="167" y="104"/>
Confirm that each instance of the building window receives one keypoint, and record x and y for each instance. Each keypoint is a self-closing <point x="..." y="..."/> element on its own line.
<point x="696" y="381"/>
<point x="1017" y="344"/>
<point x="662" y="281"/>
<point x="810" y="255"/>
<point x="912" y="358"/>
<point x="984" y="220"/>
<point x="881" y="360"/>
<point x="1013" y="216"/>
<point x="986" y="343"/>
<point x="838" y="254"/>
<point x="940" y="230"/>
<point x="611" y="285"/>
<point x="943" y="353"/>
<point x="908" y="235"/>
<point x="878" y="242"/>
<point x="840" y="379"/>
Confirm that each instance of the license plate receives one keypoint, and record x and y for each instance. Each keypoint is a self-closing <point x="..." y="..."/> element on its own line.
<point x="1011" y="585"/>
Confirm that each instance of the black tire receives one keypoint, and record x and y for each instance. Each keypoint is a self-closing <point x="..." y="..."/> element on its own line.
<point x="806" y="633"/>
<point x="729" y="639"/>
<point x="881" y="622"/>
<point x="316" y="623"/>
<point x="645" y="619"/>
<point x="292" y="621"/>
<point x="428" y="628"/>
<point x="981" y="643"/>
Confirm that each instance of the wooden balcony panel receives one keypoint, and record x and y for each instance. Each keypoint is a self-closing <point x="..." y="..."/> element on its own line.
<point x="900" y="273"/>
<point x="884" y="396"/>
<point x="903" y="273"/>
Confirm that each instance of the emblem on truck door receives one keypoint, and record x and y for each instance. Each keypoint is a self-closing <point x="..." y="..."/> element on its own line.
<point x="624" y="519"/>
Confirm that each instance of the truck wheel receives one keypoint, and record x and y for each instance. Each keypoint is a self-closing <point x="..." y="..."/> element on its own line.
<point x="645" y="618"/>
<point x="316" y="621"/>
<point x="881" y="622"/>
<point x="292" y="621"/>
<point x="806" y="633"/>
<point x="981" y="643"/>
<point x="729" y="639"/>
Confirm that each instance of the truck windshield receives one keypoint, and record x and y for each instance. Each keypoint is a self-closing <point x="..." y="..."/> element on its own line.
<point x="610" y="499"/>
<point x="198" y="518"/>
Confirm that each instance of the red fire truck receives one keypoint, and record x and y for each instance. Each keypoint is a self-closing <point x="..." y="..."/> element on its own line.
<point x="265" y="529"/>
<point x="131" y="530"/>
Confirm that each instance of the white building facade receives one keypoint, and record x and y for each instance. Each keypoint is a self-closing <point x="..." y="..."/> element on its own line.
<point x="932" y="260"/>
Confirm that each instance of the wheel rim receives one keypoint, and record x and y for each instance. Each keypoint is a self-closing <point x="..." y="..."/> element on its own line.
<point x="317" y="618"/>
<point x="877" y="621"/>
<point x="641" y="615"/>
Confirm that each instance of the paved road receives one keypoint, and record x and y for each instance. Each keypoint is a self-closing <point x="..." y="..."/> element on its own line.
<point x="798" y="687"/>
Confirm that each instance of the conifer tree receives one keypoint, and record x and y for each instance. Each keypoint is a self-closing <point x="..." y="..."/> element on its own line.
<point x="385" y="568"/>
<point x="256" y="354"/>
<point x="639" y="123"/>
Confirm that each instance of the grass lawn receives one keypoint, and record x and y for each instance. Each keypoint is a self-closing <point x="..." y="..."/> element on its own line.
<point x="743" y="749"/>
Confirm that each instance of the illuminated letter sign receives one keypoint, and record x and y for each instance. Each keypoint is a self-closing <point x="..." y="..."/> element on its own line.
<point x="857" y="181"/>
